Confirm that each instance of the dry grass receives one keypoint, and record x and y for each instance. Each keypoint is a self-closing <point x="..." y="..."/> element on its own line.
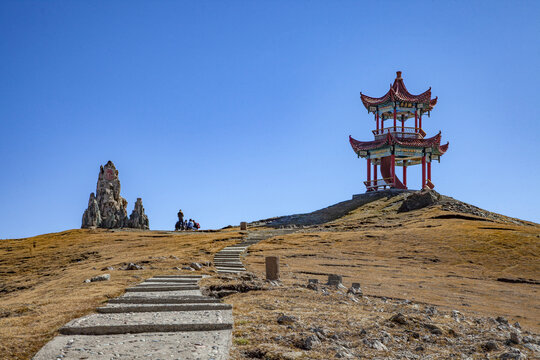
<point x="453" y="263"/>
<point x="42" y="278"/>
<point x="418" y="256"/>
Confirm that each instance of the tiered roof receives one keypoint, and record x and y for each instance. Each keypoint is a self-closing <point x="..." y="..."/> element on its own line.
<point x="399" y="93"/>
<point x="432" y="142"/>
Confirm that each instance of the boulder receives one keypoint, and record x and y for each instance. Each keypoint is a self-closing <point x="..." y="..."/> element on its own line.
<point x="419" y="200"/>
<point x="138" y="219"/>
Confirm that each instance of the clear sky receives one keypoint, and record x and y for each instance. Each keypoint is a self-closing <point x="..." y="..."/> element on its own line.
<point x="241" y="110"/>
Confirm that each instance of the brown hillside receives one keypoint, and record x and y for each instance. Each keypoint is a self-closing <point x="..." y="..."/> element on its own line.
<point x="449" y="254"/>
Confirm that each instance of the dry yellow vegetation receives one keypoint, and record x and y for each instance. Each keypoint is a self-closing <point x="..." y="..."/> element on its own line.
<point x="430" y="256"/>
<point x="41" y="278"/>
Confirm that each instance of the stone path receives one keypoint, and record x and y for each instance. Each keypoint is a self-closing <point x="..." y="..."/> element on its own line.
<point x="229" y="259"/>
<point x="165" y="317"/>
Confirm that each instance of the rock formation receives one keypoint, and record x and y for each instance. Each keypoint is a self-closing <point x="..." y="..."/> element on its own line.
<point x="91" y="216"/>
<point x="419" y="200"/>
<point x="138" y="218"/>
<point x="107" y="209"/>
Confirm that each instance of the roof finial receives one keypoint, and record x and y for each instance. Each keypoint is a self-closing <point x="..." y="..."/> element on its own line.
<point x="398" y="73"/>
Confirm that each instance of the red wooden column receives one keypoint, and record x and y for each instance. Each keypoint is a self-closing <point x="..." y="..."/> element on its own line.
<point x="405" y="173"/>
<point x="377" y="118"/>
<point x="429" y="171"/>
<point x="420" y="121"/>
<point x="415" y="120"/>
<point x="402" y="123"/>
<point x="393" y="166"/>
<point x="395" y="117"/>
<point x="423" y="171"/>
<point x="369" y="172"/>
<point x="375" y="174"/>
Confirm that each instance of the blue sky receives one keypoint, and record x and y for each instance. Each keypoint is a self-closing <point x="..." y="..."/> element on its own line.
<point x="241" y="110"/>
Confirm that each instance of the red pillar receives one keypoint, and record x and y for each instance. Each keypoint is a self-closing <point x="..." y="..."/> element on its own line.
<point x="429" y="171"/>
<point x="404" y="173"/>
<point x="420" y="122"/>
<point x="402" y="123"/>
<point x="369" y="171"/>
<point x="377" y="118"/>
<point x="393" y="166"/>
<point x="423" y="171"/>
<point x="375" y="174"/>
<point x="415" y="120"/>
<point x="395" y="117"/>
<point x="382" y="125"/>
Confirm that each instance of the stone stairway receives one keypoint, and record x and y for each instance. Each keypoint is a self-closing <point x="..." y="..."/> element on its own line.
<point x="163" y="317"/>
<point x="229" y="259"/>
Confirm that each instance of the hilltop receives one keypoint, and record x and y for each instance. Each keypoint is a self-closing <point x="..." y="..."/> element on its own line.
<point x="448" y="255"/>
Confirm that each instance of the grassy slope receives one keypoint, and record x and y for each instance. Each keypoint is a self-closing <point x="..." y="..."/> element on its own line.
<point x="415" y="255"/>
<point x="452" y="263"/>
<point x="41" y="287"/>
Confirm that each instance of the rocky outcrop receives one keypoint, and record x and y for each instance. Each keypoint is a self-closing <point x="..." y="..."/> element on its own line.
<point x="419" y="200"/>
<point x="111" y="205"/>
<point x="92" y="215"/>
<point x="138" y="218"/>
<point x="107" y="209"/>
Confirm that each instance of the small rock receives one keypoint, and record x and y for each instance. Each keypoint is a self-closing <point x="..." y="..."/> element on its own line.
<point x="513" y="354"/>
<point x="501" y="320"/>
<point x="455" y="315"/>
<point x="435" y="330"/>
<point x="343" y="353"/>
<point x="132" y="266"/>
<point x="375" y="344"/>
<point x="108" y="268"/>
<point x="355" y="289"/>
<point x="430" y="310"/>
<point x="286" y="319"/>
<point x="189" y="268"/>
<point x="86" y="281"/>
<point x="313" y="284"/>
<point x="196" y="266"/>
<point x="104" y="277"/>
<point x="308" y="343"/>
<point x="532" y="347"/>
<point x="514" y="338"/>
<point x="491" y="345"/>
<point x="399" y="318"/>
<point x="528" y="339"/>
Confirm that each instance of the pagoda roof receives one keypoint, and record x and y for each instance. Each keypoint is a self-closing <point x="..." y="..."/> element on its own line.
<point x="390" y="139"/>
<point x="398" y="93"/>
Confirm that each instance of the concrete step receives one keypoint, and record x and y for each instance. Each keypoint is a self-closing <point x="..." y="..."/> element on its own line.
<point x="165" y="300"/>
<point x="162" y="294"/>
<point x="229" y="265"/>
<point x="164" y="284"/>
<point x="160" y="288"/>
<point x="125" y="308"/>
<point x="177" y="277"/>
<point x="183" y="345"/>
<point x="149" y="322"/>
<point x="170" y="280"/>
<point x="230" y="271"/>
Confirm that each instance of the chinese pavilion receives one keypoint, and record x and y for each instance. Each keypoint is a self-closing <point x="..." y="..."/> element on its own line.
<point x="397" y="144"/>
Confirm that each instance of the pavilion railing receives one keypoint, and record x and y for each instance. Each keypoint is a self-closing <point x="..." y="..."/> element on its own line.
<point x="401" y="132"/>
<point x="374" y="185"/>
